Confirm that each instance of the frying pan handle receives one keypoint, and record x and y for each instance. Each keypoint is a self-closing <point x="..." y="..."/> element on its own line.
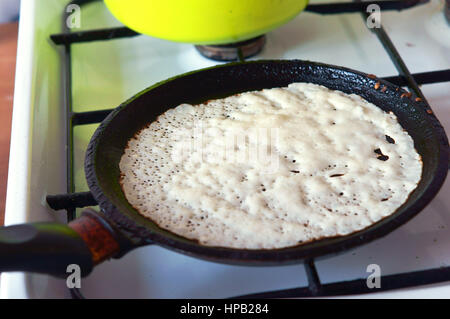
<point x="44" y="248"/>
<point x="50" y="248"/>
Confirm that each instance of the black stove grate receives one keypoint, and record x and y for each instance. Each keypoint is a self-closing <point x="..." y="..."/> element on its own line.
<point x="72" y="200"/>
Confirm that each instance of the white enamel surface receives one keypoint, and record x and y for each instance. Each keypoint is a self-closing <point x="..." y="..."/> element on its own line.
<point x="107" y="73"/>
<point x="35" y="166"/>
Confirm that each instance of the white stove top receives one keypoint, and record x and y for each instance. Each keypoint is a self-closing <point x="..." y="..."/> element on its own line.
<point x="107" y="73"/>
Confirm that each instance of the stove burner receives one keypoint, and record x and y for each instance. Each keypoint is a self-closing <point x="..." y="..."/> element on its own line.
<point x="233" y="51"/>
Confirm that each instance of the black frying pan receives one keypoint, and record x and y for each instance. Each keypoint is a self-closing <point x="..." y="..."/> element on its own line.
<point x="119" y="227"/>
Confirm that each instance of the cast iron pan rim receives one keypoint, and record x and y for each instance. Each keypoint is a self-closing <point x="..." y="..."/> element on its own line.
<point x="142" y="235"/>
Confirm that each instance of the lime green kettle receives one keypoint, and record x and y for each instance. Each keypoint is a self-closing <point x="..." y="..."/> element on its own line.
<point x="204" y="21"/>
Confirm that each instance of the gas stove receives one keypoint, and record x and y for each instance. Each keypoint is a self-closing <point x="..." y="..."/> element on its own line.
<point x="67" y="83"/>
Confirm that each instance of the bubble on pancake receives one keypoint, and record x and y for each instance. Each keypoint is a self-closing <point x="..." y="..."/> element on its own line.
<point x="342" y="164"/>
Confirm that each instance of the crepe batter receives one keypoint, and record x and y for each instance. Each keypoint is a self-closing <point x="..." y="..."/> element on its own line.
<point x="331" y="164"/>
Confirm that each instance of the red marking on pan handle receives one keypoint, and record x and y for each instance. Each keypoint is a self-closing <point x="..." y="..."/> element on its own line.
<point x="97" y="234"/>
